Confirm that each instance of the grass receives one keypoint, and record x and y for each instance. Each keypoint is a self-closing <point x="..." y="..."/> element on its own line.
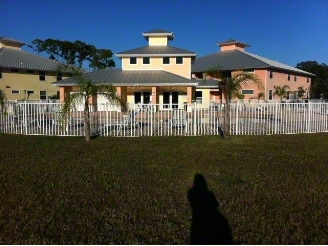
<point x="62" y="190"/>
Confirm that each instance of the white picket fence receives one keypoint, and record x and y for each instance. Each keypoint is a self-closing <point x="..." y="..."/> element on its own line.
<point x="166" y="120"/>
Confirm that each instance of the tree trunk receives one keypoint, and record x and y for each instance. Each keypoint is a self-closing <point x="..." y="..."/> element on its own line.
<point x="226" y="119"/>
<point x="86" y="121"/>
<point x="226" y="126"/>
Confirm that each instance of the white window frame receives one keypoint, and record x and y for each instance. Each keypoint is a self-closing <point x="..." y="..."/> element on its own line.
<point x="15" y="91"/>
<point x="247" y="93"/>
<point x="271" y="95"/>
<point x="199" y="100"/>
<point x="133" y="63"/>
<point x="45" y="95"/>
<point x="166" y="63"/>
<point x="146" y="63"/>
<point x="177" y="58"/>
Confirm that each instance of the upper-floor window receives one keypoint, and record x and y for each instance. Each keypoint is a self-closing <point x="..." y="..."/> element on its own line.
<point x="307" y="80"/>
<point x="42" y="75"/>
<point x="29" y="71"/>
<point x="146" y="60"/>
<point x="59" y="76"/>
<point x="14" y="70"/>
<point x="179" y="60"/>
<point x="271" y="74"/>
<point x="288" y="77"/>
<point x="15" y="91"/>
<point x="133" y="60"/>
<point x="247" y="92"/>
<point x="248" y="70"/>
<point x="166" y="60"/>
<point x="295" y="78"/>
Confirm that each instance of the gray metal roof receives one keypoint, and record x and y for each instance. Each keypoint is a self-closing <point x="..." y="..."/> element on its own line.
<point x="10" y="40"/>
<point x="236" y="59"/>
<point x="118" y="77"/>
<point x="232" y="41"/>
<point x="152" y="51"/>
<point x="158" y="31"/>
<point x="14" y="58"/>
<point x="208" y="83"/>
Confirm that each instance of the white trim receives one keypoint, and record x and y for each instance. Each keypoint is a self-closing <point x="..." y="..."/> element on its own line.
<point x="146" y="63"/>
<point x="265" y="83"/>
<point x="179" y="64"/>
<point x="168" y="63"/>
<point x="155" y="55"/>
<point x="133" y="63"/>
<point x="143" y="69"/>
<point x="247" y="90"/>
<point x="269" y="95"/>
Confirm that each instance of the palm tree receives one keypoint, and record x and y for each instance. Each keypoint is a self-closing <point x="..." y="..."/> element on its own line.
<point x="260" y="95"/>
<point x="231" y="85"/>
<point x="300" y="91"/>
<point x="85" y="89"/>
<point x="3" y="103"/>
<point x="281" y="91"/>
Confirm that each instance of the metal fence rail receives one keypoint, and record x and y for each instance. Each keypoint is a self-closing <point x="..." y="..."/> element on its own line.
<point x="45" y="118"/>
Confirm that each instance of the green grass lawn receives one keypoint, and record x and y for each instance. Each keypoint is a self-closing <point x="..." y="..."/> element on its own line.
<point x="62" y="190"/>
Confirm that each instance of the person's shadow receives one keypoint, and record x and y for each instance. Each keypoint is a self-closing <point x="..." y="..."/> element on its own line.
<point x="208" y="226"/>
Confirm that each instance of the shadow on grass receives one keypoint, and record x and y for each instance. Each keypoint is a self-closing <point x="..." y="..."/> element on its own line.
<point x="208" y="225"/>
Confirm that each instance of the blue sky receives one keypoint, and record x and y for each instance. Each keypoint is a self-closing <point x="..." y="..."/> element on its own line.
<point x="289" y="31"/>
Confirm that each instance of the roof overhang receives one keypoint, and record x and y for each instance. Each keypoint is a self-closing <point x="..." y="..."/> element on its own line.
<point x="133" y="84"/>
<point x="155" y="55"/>
<point x="169" y="35"/>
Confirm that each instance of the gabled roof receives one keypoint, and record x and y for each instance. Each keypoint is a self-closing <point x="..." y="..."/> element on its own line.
<point x="14" y="58"/>
<point x="158" y="32"/>
<point x="232" y="41"/>
<point x="119" y="77"/>
<point x="237" y="59"/>
<point x="152" y="51"/>
<point x="10" y="40"/>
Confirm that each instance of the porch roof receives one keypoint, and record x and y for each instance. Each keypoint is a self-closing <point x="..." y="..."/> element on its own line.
<point x="118" y="77"/>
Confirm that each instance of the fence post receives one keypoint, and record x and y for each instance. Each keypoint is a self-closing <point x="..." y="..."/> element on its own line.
<point x="309" y="117"/>
<point x="275" y="118"/>
<point x="25" y="118"/>
<point x="237" y="126"/>
<point x="195" y="126"/>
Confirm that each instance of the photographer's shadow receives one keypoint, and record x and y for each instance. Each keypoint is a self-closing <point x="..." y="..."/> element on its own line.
<point x="208" y="226"/>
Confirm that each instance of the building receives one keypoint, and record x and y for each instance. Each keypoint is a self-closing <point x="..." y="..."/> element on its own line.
<point x="156" y="73"/>
<point x="24" y="75"/>
<point x="172" y="77"/>
<point x="234" y="58"/>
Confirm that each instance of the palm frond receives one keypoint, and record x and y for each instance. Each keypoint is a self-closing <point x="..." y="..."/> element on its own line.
<point x="3" y="103"/>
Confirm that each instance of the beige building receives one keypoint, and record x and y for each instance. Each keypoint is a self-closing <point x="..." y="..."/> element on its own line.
<point x="172" y="77"/>
<point x="24" y="75"/>
<point x="156" y="73"/>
